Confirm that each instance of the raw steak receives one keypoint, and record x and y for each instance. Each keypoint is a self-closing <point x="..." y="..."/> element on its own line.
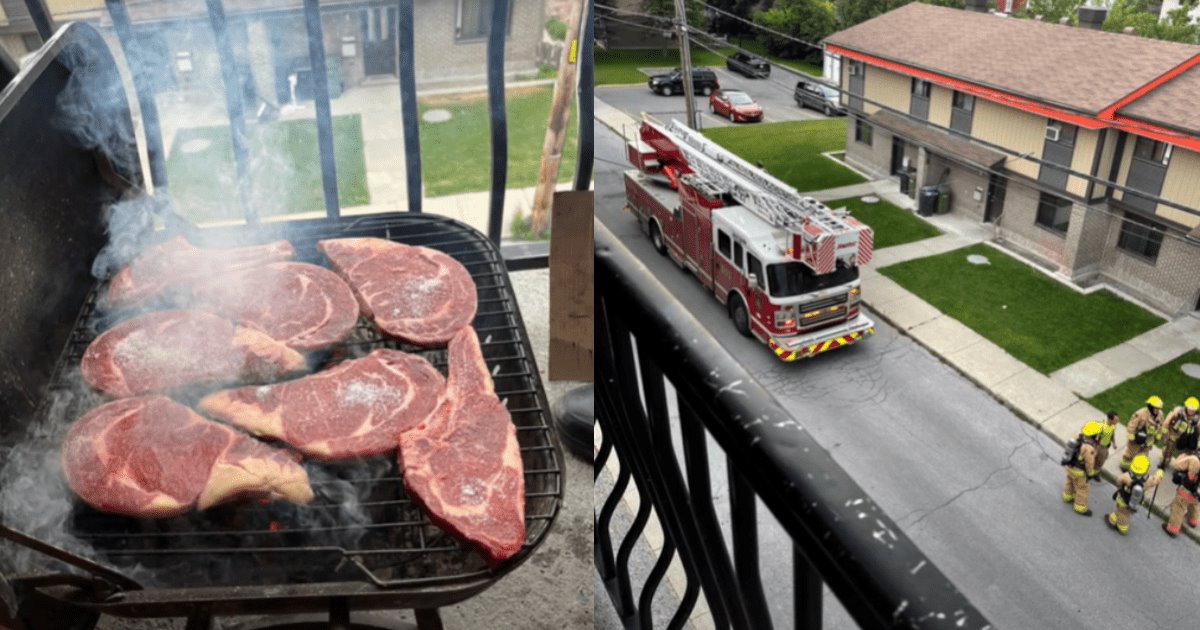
<point x="358" y="408"/>
<point x="416" y="294"/>
<point x="303" y="306"/>
<point x="152" y="457"/>
<point x="464" y="464"/>
<point x="160" y="351"/>
<point x="176" y="262"/>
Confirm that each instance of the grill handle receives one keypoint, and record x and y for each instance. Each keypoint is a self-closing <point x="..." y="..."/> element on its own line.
<point x="117" y="579"/>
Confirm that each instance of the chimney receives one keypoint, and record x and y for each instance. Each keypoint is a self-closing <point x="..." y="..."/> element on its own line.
<point x="1091" y="17"/>
<point x="978" y="6"/>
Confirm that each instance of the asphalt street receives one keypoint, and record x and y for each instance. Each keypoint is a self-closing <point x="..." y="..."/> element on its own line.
<point x="973" y="485"/>
<point x="774" y="94"/>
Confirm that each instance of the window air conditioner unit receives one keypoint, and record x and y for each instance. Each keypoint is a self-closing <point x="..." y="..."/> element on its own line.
<point x="1052" y="132"/>
<point x="855" y="69"/>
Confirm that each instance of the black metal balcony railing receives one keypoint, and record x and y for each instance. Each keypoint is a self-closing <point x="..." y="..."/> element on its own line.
<point x="498" y="135"/>
<point x="647" y="338"/>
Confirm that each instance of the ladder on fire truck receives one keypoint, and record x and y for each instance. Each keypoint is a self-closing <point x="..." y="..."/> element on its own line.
<point x="826" y="235"/>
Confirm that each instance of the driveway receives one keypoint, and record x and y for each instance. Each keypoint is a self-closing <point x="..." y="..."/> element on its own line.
<point x="774" y="94"/>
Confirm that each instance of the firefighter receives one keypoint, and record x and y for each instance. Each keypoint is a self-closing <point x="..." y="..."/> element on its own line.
<point x="1080" y="463"/>
<point x="1181" y="420"/>
<point x="1142" y="430"/>
<point x="1105" y="442"/>
<point x="1187" y="477"/>
<point x="1131" y="487"/>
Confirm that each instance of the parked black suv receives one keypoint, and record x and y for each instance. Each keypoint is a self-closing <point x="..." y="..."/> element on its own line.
<point x="704" y="81"/>
<point x="749" y="65"/>
<point x="818" y="95"/>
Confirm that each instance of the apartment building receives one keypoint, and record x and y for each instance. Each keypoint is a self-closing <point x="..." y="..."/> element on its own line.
<point x="1081" y="147"/>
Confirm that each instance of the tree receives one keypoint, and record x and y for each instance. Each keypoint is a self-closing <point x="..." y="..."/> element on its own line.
<point x="851" y="12"/>
<point x="807" y="20"/>
<point x="726" y="25"/>
<point x="1052" y="10"/>
<point x="666" y="8"/>
<point x="1176" y="27"/>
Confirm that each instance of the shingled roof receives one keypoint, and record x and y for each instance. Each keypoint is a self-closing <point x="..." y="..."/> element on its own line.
<point x="1075" y="68"/>
<point x="1176" y="103"/>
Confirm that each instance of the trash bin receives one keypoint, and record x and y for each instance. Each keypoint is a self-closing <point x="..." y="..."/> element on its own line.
<point x="927" y="201"/>
<point x="905" y="182"/>
<point x="943" y="205"/>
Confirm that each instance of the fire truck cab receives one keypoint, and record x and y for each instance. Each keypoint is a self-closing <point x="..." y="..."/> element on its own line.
<point x="752" y="261"/>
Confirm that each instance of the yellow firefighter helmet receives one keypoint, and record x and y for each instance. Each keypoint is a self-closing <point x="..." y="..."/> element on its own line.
<point x="1140" y="465"/>
<point x="1154" y="401"/>
<point x="1191" y="404"/>
<point x="1091" y="429"/>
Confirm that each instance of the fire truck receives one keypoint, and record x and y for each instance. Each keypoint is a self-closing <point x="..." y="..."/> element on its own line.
<point x="784" y="265"/>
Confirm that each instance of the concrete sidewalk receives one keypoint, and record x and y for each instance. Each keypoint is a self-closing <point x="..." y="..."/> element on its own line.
<point x="1054" y="404"/>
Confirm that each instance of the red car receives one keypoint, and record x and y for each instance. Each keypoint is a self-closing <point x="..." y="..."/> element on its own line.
<point x="735" y="105"/>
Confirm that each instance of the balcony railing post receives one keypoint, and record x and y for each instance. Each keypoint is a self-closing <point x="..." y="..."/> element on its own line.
<point x="234" y="106"/>
<point x="743" y="512"/>
<point x="41" y="18"/>
<point x="408" y="103"/>
<point x="497" y="116"/>
<point x="808" y="594"/>
<point x="585" y="126"/>
<point x="136" y="62"/>
<point x="320" y="86"/>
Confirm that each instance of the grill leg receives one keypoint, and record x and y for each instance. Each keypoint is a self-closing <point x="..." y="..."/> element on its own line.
<point x="428" y="619"/>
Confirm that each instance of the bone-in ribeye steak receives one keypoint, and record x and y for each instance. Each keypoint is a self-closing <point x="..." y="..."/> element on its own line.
<point x="415" y="294"/>
<point x="160" y="351"/>
<point x="303" y="306"/>
<point x="357" y="408"/>
<point x="152" y="457"/>
<point x="175" y="263"/>
<point x="463" y="465"/>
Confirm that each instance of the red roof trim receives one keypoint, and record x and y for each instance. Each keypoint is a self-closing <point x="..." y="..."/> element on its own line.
<point x="1111" y="111"/>
<point x="1155" y="132"/>
<point x="1004" y="98"/>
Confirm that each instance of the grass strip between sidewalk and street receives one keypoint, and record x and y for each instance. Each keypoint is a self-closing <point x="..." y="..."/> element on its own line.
<point x="285" y="169"/>
<point x="791" y="151"/>
<point x="456" y="154"/>
<point x="1042" y="323"/>
<point x="892" y="225"/>
<point x="1167" y="381"/>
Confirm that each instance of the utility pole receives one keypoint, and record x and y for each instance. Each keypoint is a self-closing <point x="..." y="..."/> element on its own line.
<point x="685" y="59"/>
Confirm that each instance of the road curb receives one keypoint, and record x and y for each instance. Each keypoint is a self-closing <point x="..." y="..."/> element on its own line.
<point x="1104" y="474"/>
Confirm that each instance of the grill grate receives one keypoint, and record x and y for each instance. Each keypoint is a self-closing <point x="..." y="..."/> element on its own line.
<point x="361" y="524"/>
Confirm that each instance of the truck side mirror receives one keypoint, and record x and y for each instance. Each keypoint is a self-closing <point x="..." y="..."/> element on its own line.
<point x="753" y="278"/>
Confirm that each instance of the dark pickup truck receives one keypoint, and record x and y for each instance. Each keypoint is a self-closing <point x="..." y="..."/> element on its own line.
<point x="749" y="65"/>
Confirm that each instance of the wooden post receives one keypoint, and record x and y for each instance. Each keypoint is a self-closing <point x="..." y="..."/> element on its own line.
<point x="572" y="302"/>
<point x="556" y="129"/>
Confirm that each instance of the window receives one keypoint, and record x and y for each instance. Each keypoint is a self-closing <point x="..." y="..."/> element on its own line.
<point x="474" y="18"/>
<point x="793" y="278"/>
<point x="965" y="102"/>
<point x="723" y="243"/>
<point x="1141" y="237"/>
<point x="920" y="88"/>
<point x="1054" y="212"/>
<point x="856" y="68"/>
<point x="1152" y="151"/>
<point x="755" y="268"/>
<point x="737" y="255"/>
<point x="863" y="131"/>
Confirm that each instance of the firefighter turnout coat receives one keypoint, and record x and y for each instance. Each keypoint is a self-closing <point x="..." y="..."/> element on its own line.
<point x="1187" y="467"/>
<point x="1142" y="421"/>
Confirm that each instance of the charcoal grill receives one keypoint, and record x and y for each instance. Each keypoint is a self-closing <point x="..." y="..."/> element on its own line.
<point x="247" y="557"/>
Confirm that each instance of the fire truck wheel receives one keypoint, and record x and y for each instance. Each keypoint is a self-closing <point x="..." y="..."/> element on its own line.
<point x="741" y="317"/>
<point x="656" y="238"/>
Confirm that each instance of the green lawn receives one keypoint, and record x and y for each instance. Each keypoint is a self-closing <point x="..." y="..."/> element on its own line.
<point x="892" y="225"/>
<point x="621" y="66"/>
<point x="792" y="151"/>
<point x="1167" y="381"/>
<point x="285" y="169"/>
<point x="456" y="154"/>
<point x="1039" y="321"/>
